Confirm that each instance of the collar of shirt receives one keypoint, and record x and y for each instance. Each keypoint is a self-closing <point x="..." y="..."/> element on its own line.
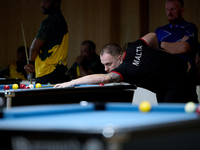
<point x="178" y="24"/>
<point x="55" y="11"/>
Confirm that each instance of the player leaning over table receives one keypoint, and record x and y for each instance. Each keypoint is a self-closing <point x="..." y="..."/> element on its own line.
<point x="142" y="64"/>
<point x="49" y="49"/>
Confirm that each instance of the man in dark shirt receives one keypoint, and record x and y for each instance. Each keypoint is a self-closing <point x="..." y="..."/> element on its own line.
<point x="145" y="66"/>
<point x="49" y="49"/>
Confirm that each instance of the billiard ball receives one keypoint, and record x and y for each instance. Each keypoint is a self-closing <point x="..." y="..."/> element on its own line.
<point x="144" y="106"/>
<point x="38" y="85"/>
<point x="101" y="84"/>
<point x="22" y="86"/>
<point x="198" y="110"/>
<point x="27" y="87"/>
<point x="15" y="86"/>
<point x="190" y="107"/>
<point x="31" y="86"/>
<point x="6" y="87"/>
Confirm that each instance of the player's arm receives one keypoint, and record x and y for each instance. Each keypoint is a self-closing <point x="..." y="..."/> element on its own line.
<point x="92" y="79"/>
<point x="151" y="40"/>
<point x="35" y="49"/>
<point x="45" y="30"/>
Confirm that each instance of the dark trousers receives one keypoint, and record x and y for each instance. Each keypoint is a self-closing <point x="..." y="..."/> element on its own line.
<point x="57" y="76"/>
<point x="181" y="90"/>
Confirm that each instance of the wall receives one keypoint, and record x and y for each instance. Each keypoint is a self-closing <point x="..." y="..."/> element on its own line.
<point x="102" y="21"/>
<point x="12" y="13"/>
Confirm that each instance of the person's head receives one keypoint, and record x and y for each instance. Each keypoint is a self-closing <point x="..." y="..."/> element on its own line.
<point x="111" y="56"/>
<point x="174" y="10"/>
<point x="21" y="55"/>
<point x="87" y="48"/>
<point x="49" y="5"/>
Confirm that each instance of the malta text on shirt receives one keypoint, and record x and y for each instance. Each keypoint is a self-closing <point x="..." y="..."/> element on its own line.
<point x="138" y="55"/>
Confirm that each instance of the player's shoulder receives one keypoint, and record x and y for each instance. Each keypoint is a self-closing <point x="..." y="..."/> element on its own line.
<point x="135" y="44"/>
<point x="46" y="21"/>
<point x="51" y="19"/>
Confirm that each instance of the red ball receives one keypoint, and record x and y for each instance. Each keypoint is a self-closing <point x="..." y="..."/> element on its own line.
<point x="101" y="84"/>
<point x="198" y="110"/>
<point x="22" y="86"/>
<point x="6" y="87"/>
<point x="26" y="87"/>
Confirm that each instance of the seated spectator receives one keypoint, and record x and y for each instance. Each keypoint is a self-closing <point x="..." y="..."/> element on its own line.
<point x="88" y="62"/>
<point x="16" y="68"/>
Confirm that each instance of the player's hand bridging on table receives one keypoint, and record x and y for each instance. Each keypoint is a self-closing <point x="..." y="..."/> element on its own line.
<point x="65" y="84"/>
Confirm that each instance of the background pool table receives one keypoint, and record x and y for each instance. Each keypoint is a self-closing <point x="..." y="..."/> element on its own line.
<point x="10" y="85"/>
<point x="119" y="127"/>
<point x="9" y="81"/>
<point x="49" y="95"/>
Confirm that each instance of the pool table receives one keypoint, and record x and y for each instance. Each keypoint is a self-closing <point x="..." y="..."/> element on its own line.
<point x="9" y="81"/>
<point x="119" y="126"/>
<point x="119" y="92"/>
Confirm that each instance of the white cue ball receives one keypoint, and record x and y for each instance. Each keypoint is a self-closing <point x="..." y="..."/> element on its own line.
<point x="190" y="107"/>
<point x="31" y="86"/>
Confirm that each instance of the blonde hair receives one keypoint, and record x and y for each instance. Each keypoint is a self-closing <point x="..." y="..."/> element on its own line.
<point x="180" y="1"/>
<point x="112" y="49"/>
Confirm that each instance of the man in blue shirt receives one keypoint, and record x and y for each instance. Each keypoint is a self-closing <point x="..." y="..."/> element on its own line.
<point x="170" y="36"/>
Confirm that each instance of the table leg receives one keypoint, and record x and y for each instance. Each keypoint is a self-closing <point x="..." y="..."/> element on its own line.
<point x="9" y="102"/>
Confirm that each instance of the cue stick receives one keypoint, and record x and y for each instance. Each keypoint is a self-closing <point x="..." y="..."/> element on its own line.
<point x="26" y="50"/>
<point x="47" y="85"/>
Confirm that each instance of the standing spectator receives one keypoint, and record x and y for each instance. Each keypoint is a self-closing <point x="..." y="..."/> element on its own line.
<point x="170" y="35"/>
<point x="179" y="37"/>
<point x="50" y="47"/>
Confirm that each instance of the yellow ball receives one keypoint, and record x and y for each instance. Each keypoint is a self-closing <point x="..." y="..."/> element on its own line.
<point x="38" y="85"/>
<point x="145" y="106"/>
<point x="15" y="86"/>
